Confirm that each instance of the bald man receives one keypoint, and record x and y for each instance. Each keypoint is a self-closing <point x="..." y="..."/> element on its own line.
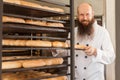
<point x="89" y="63"/>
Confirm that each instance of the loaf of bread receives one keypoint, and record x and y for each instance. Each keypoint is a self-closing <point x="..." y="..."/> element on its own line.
<point x="80" y="46"/>
<point x="57" y="61"/>
<point x="16" y="57"/>
<point x="48" y="61"/>
<point x="62" y="78"/>
<point x="52" y="9"/>
<point x="8" y="58"/>
<point x="55" y="24"/>
<point x="9" y="76"/>
<point x="57" y="78"/>
<point x="40" y="23"/>
<point x="59" y="44"/>
<point x="7" y="42"/>
<point x="53" y="61"/>
<point x="24" y="75"/>
<point x="31" y="4"/>
<point x="12" y="1"/>
<point x="11" y="64"/>
<point x="19" y="43"/>
<point x="12" y="19"/>
<point x="10" y="42"/>
<point x="33" y="63"/>
<point x="34" y="43"/>
<point x="58" y="9"/>
<point x="43" y="23"/>
<point x="26" y="3"/>
<point x="38" y="43"/>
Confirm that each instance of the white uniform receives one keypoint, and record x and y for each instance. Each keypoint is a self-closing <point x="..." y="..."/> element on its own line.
<point x="92" y="67"/>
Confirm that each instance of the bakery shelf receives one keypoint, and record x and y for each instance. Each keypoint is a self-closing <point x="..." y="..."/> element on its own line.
<point x="33" y="18"/>
<point x="16" y="53"/>
<point x="33" y="58"/>
<point x="11" y="8"/>
<point x="29" y="48"/>
<point x="34" y="68"/>
<point x="27" y="12"/>
<point x="35" y="37"/>
<point x="29" y="28"/>
<point x="33" y="48"/>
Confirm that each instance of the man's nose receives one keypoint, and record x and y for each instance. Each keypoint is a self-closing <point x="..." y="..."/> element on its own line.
<point x="85" y="17"/>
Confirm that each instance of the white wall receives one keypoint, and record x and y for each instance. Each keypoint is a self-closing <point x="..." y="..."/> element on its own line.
<point x="98" y="5"/>
<point x="110" y="25"/>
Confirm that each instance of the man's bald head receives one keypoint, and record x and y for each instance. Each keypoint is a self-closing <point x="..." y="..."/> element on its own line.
<point x="85" y="13"/>
<point x="84" y="6"/>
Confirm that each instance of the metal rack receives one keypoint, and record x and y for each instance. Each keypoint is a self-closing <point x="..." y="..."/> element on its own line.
<point x="1" y="9"/>
<point x="26" y="12"/>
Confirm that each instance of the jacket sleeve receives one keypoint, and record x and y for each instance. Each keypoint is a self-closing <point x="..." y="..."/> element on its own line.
<point x="106" y="54"/>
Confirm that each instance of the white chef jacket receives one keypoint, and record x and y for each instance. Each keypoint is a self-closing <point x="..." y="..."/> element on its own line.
<point x="92" y="67"/>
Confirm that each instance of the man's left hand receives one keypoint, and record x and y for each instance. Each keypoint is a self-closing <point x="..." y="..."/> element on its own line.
<point x="89" y="50"/>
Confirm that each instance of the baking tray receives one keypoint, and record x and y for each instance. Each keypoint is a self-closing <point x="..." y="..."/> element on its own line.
<point x="29" y="11"/>
<point x="29" y="28"/>
<point x="33" y="37"/>
<point x="33" y="58"/>
<point x="16" y="53"/>
<point x="29" y="48"/>
<point x="33" y="48"/>
<point x="34" y="18"/>
<point x="34" y="68"/>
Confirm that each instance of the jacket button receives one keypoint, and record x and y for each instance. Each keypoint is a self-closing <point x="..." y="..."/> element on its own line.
<point x="84" y="79"/>
<point x="85" y="68"/>
<point x="75" y="66"/>
<point x="85" y="56"/>
<point x="76" y="55"/>
<point x="87" y="44"/>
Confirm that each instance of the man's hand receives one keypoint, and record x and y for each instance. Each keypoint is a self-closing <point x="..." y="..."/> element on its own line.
<point x="89" y="50"/>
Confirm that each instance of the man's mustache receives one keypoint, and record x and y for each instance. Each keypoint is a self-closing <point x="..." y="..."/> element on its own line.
<point x="85" y="21"/>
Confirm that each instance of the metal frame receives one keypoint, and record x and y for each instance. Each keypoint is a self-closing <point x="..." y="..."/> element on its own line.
<point x="72" y="50"/>
<point x="1" y="10"/>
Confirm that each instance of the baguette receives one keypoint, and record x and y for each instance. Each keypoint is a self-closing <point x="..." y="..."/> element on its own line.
<point x="11" y="65"/>
<point x="12" y="19"/>
<point x="12" y="1"/>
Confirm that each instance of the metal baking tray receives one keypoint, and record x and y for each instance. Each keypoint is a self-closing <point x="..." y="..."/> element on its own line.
<point x="34" y="18"/>
<point x="33" y="58"/>
<point x="29" y="28"/>
<point x="29" y="48"/>
<point x="33" y="48"/>
<point x="16" y="52"/>
<point x="31" y="37"/>
<point x="34" y="68"/>
<point x="29" y="11"/>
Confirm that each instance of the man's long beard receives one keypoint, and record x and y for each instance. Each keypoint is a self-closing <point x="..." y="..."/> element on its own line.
<point x="85" y="29"/>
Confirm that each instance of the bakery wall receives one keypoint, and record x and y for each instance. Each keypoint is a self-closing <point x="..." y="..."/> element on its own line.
<point x="110" y="25"/>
